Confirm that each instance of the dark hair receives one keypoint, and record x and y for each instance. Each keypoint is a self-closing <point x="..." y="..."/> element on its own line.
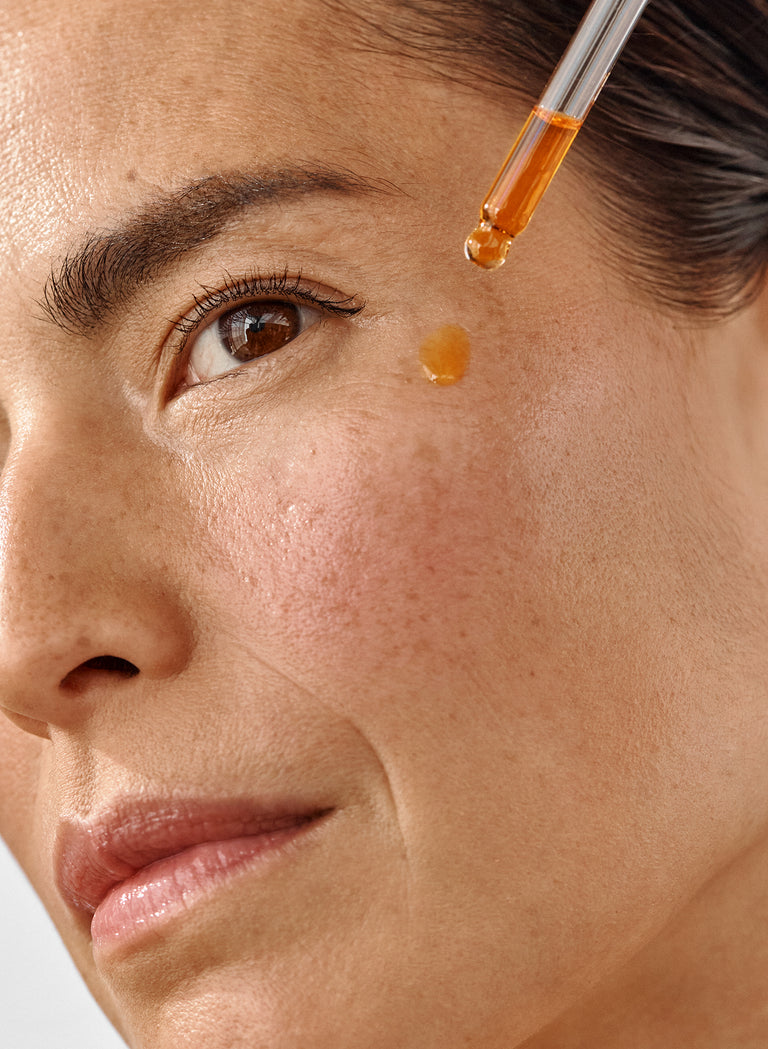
<point x="677" y="144"/>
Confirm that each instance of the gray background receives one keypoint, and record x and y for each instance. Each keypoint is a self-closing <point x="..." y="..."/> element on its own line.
<point x="43" y="1002"/>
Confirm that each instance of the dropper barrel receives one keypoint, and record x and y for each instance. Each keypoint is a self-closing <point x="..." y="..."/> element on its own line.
<point x="551" y="128"/>
<point x="590" y="57"/>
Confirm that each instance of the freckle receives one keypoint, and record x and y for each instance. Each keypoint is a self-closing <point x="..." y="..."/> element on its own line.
<point x="427" y="452"/>
<point x="444" y="354"/>
<point x="131" y="176"/>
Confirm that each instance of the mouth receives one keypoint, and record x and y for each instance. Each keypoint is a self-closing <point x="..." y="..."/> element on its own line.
<point x="139" y="864"/>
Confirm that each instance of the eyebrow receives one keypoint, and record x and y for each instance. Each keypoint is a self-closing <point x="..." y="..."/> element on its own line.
<point x="110" y="267"/>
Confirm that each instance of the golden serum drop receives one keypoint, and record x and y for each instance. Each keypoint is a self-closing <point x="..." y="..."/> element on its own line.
<point x="444" y="354"/>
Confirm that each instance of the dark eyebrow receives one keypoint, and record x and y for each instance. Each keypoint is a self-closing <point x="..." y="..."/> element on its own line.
<point x="109" y="267"/>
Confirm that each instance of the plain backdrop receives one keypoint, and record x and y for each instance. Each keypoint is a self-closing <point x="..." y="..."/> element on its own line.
<point x="43" y="1002"/>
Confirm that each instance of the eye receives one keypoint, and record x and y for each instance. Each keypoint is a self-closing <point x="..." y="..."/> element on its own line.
<point x="249" y="318"/>
<point x="244" y="334"/>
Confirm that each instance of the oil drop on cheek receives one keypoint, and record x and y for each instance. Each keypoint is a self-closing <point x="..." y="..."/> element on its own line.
<point x="444" y="354"/>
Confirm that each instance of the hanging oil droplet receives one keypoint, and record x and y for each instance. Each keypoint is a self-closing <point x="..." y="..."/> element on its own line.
<point x="444" y="354"/>
<point x="487" y="246"/>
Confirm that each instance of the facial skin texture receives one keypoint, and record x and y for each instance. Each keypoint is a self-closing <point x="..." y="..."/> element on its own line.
<point x="511" y="630"/>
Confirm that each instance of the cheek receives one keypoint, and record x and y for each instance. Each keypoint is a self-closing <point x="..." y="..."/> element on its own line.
<point x="529" y="557"/>
<point x="367" y="553"/>
<point x="462" y="536"/>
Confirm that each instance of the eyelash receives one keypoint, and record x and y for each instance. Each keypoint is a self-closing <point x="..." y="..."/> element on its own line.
<point x="239" y="292"/>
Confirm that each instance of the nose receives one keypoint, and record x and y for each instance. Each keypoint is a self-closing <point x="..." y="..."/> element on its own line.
<point x="88" y="603"/>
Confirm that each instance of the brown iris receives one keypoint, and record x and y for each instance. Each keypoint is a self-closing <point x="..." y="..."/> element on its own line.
<point x="259" y="328"/>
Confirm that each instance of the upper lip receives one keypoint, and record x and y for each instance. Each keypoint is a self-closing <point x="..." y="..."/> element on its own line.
<point x="94" y="856"/>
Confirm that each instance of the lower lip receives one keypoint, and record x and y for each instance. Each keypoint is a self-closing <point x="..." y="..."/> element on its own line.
<point x="143" y="903"/>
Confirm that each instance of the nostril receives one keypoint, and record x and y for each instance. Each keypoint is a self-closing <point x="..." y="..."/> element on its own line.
<point x="78" y="679"/>
<point x="113" y="664"/>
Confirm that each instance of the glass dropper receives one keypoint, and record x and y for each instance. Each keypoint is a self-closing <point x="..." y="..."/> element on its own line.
<point x="551" y="128"/>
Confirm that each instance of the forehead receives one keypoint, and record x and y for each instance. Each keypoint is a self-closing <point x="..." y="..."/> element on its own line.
<point x="104" y="101"/>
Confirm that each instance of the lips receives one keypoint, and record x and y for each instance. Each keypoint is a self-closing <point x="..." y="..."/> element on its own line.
<point x="142" y="860"/>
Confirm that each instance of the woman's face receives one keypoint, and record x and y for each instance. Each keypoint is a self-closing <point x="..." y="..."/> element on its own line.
<point x="498" y="641"/>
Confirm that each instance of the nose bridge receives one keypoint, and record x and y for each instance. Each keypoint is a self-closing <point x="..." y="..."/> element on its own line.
<point x="79" y="578"/>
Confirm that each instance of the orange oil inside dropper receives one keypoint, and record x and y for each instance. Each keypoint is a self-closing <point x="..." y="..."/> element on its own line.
<point x="530" y="167"/>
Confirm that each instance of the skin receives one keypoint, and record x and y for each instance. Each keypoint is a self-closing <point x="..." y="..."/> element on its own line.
<point x="512" y="630"/>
